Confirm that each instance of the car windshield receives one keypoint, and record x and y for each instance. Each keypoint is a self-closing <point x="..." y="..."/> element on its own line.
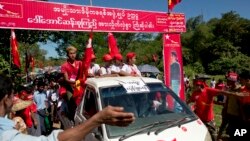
<point x="159" y="104"/>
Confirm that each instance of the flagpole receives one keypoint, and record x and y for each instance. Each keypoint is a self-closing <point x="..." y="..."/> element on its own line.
<point x="26" y="59"/>
<point x="168" y="6"/>
<point x="10" y="53"/>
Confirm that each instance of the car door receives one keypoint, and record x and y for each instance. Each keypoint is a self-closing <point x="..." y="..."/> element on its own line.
<point x="87" y="109"/>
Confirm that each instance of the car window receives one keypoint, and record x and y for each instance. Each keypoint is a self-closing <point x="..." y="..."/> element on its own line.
<point x="89" y="105"/>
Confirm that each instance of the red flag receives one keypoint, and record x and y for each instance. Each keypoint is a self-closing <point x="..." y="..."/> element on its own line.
<point x="86" y="61"/>
<point x="172" y="3"/>
<point x="113" y="49"/>
<point x="83" y="72"/>
<point x="14" y="50"/>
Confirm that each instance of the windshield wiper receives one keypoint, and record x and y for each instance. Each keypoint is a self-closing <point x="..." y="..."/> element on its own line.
<point x="143" y="129"/>
<point x="174" y="123"/>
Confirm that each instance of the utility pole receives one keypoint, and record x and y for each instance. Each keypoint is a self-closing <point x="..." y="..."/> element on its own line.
<point x="90" y="1"/>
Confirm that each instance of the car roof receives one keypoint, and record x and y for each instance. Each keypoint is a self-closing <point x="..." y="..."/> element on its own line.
<point x="113" y="81"/>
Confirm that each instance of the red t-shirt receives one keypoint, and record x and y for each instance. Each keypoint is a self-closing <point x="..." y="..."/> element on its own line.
<point x="71" y="70"/>
<point x="26" y="114"/>
<point x="82" y="68"/>
<point x="220" y="86"/>
<point x="204" y="103"/>
<point x="245" y="99"/>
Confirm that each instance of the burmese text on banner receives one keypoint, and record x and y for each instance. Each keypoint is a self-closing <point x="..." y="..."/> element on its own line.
<point x="24" y="14"/>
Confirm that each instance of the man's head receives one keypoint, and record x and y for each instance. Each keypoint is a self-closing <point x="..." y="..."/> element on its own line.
<point x="6" y="95"/>
<point x="71" y="52"/>
<point x="198" y="84"/>
<point x="40" y="86"/>
<point x="107" y="58"/>
<point x="245" y="78"/>
<point x="131" y="58"/>
<point x="232" y="78"/>
<point x="118" y="59"/>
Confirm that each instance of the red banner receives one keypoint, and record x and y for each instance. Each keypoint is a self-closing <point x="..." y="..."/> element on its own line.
<point x="173" y="67"/>
<point x="37" y="15"/>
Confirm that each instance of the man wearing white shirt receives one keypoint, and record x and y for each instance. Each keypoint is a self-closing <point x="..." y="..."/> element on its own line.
<point x="130" y="69"/>
<point x="118" y="64"/>
<point x="106" y="69"/>
<point x="94" y="68"/>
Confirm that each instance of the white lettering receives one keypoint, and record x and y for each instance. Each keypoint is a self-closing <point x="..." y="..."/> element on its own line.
<point x="237" y="132"/>
<point x="240" y="132"/>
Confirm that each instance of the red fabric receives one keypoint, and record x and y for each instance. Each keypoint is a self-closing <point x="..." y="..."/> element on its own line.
<point x="130" y="55"/>
<point x="172" y="3"/>
<point x="83" y="73"/>
<point x="220" y="86"/>
<point x="118" y="56"/>
<point x="14" y="50"/>
<point x="25" y="96"/>
<point x="71" y="70"/>
<point x="158" y="96"/>
<point x="26" y="114"/>
<point x="93" y="56"/>
<point x="113" y="49"/>
<point x="77" y="95"/>
<point x="107" y="57"/>
<point x="245" y="99"/>
<point x="204" y="103"/>
<point x="32" y="15"/>
<point x="62" y="91"/>
<point x="86" y="61"/>
<point x="232" y="76"/>
<point x="198" y="82"/>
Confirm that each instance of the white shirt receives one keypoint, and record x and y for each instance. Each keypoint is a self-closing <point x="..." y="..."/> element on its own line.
<point x="212" y="83"/>
<point x="8" y="133"/>
<point x="116" y="68"/>
<point x="105" y="70"/>
<point x="131" y="69"/>
<point x="94" y="69"/>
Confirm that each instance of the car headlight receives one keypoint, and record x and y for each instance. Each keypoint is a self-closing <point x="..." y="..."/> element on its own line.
<point x="208" y="137"/>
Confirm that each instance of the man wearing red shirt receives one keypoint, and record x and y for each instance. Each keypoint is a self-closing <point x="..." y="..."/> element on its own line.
<point x="245" y="101"/>
<point x="29" y="115"/>
<point x="75" y="71"/>
<point x="203" y="99"/>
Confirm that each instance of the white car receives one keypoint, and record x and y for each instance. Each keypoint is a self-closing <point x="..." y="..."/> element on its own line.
<point x="160" y="114"/>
